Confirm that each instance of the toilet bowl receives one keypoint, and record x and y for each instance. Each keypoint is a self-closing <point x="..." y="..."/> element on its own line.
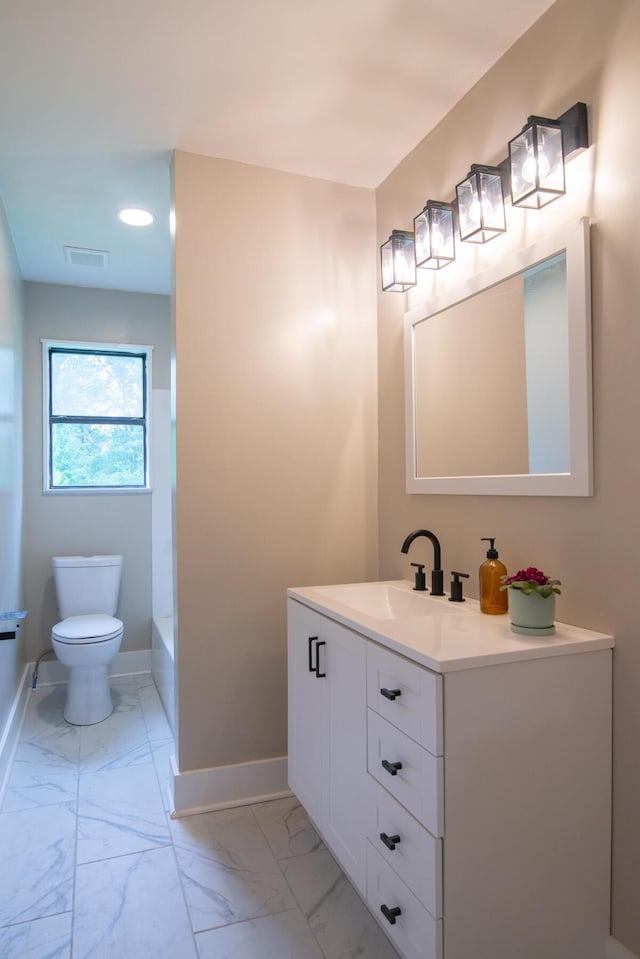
<point x="89" y="635"/>
<point x="87" y="644"/>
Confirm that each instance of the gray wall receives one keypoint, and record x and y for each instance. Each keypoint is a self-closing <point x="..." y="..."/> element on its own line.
<point x="11" y="651"/>
<point x="69" y="523"/>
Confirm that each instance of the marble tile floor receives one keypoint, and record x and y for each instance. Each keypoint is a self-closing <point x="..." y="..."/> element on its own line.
<point x="93" y="867"/>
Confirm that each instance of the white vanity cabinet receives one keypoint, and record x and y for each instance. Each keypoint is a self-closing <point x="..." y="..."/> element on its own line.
<point x="477" y="793"/>
<point x="405" y="808"/>
<point x="327" y="731"/>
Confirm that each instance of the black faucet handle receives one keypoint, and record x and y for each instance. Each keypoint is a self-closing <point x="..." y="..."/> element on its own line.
<point x="421" y="582"/>
<point x="456" y="587"/>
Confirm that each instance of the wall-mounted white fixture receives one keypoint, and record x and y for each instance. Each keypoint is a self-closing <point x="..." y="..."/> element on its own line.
<point x="398" y="262"/>
<point x="481" y="204"/>
<point x="10" y="623"/>
<point x="533" y="173"/>
<point x="136" y="217"/>
<point x="433" y="231"/>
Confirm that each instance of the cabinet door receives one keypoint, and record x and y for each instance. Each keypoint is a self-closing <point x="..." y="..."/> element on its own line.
<point x="346" y="678"/>
<point x="308" y="750"/>
<point x="327" y="732"/>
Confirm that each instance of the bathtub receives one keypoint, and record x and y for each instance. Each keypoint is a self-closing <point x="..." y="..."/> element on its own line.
<point x="162" y="664"/>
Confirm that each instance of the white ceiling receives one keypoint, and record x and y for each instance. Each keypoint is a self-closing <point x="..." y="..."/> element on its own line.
<point x="94" y="96"/>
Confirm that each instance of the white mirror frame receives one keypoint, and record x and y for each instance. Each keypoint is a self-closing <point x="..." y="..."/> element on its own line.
<point x="574" y="238"/>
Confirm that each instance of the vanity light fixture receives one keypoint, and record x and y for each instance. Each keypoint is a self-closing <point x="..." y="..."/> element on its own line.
<point x="481" y="204"/>
<point x="537" y="164"/>
<point x="134" y="216"/>
<point x="534" y="172"/>
<point x="537" y="155"/>
<point x="397" y="262"/>
<point x="433" y="230"/>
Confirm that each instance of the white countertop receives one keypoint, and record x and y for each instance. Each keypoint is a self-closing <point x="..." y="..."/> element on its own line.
<point x="452" y="636"/>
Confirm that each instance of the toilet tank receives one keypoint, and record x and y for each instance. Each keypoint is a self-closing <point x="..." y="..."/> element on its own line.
<point x="87" y="584"/>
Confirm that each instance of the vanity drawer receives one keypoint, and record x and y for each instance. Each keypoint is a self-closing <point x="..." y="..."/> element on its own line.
<point x="417" y="856"/>
<point x="417" y="706"/>
<point x="416" y="933"/>
<point x="419" y="781"/>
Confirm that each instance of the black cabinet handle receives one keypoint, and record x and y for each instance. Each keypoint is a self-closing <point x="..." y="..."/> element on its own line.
<point x="319" y="675"/>
<point x="392" y="768"/>
<point x="315" y="667"/>
<point x="390" y="841"/>
<point x="391" y="914"/>
<point x="390" y="693"/>
<point x="312" y="640"/>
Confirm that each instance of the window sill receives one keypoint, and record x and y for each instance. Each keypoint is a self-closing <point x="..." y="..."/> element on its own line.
<point x="106" y="491"/>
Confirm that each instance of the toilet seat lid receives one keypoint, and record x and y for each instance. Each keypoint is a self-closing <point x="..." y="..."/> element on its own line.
<point x="84" y="629"/>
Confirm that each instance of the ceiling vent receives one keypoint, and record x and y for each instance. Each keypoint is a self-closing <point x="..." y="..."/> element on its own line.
<point x="78" y="256"/>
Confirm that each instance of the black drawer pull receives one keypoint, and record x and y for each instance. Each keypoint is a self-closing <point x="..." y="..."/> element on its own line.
<point x="392" y="768"/>
<point x="390" y="841"/>
<point x="390" y="914"/>
<point x="390" y="693"/>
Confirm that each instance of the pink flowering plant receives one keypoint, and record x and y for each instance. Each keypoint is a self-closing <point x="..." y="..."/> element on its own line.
<point x="531" y="580"/>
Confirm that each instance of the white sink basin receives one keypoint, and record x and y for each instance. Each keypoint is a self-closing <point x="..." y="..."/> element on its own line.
<point x="387" y="601"/>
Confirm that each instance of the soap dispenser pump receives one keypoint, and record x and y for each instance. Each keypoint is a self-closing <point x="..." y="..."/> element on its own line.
<point x="493" y="600"/>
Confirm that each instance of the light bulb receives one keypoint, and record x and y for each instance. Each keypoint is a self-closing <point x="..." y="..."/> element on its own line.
<point x="437" y="240"/>
<point x="402" y="267"/>
<point x="474" y="210"/>
<point x="530" y="167"/>
<point x="490" y="209"/>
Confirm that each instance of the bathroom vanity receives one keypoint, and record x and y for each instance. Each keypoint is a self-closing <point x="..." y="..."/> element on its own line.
<point x="460" y="774"/>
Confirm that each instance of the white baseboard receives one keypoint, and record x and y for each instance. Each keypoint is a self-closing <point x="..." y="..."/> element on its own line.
<point x="9" y="735"/>
<point x="221" y="787"/>
<point x="51" y="672"/>
<point x="615" y="950"/>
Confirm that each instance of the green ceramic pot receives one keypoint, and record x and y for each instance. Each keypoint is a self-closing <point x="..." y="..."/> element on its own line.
<point x="532" y="615"/>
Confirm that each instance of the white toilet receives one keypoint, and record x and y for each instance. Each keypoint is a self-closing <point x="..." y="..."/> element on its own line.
<point x="89" y="636"/>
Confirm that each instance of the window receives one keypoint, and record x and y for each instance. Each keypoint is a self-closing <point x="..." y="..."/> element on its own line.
<point x="96" y="425"/>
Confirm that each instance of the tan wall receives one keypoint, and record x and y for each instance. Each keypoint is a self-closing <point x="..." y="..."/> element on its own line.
<point x="577" y="51"/>
<point x="275" y="327"/>
<point x="12" y="652"/>
<point x="85" y="523"/>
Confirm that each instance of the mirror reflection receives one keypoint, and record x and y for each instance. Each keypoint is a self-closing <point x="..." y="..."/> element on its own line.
<point x="497" y="366"/>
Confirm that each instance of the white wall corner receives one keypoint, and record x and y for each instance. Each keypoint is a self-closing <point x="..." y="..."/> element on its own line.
<point x="9" y="734"/>
<point x="221" y="787"/>
<point x="615" y="950"/>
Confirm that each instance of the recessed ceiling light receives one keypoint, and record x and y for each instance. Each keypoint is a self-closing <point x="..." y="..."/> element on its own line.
<point x="136" y="217"/>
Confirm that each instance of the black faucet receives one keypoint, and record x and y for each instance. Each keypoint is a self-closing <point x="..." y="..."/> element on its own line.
<point x="436" y="573"/>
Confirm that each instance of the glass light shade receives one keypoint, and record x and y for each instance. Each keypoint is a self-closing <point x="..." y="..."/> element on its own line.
<point x="481" y="205"/>
<point x="397" y="261"/>
<point x="537" y="164"/>
<point x="433" y="230"/>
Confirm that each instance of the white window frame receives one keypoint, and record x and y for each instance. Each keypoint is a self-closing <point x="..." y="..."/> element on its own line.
<point x="90" y="347"/>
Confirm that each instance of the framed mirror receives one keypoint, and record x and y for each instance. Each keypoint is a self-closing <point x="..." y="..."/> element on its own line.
<point x="498" y="377"/>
